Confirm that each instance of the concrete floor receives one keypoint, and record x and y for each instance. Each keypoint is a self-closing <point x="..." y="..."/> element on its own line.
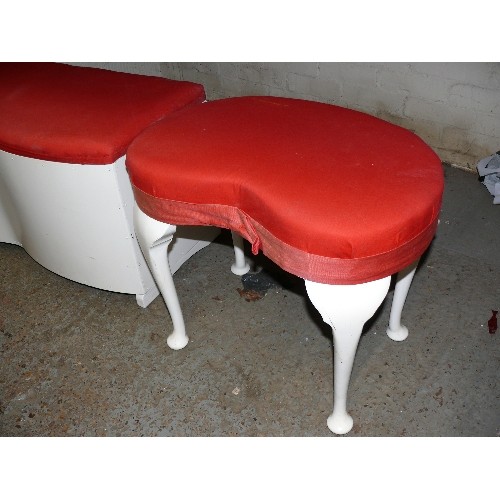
<point x="77" y="361"/>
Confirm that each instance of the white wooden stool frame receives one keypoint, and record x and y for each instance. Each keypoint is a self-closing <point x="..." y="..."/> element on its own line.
<point x="346" y="308"/>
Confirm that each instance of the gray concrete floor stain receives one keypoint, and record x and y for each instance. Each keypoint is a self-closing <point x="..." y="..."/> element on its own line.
<point x="77" y="361"/>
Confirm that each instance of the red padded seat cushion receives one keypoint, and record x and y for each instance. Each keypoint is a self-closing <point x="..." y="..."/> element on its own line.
<point x="72" y="114"/>
<point x="330" y="194"/>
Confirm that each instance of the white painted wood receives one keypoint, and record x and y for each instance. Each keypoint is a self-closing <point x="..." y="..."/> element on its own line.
<point x="240" y="266"/>
<point x="76" y="220"/>
<point x="10" y="227"/>
<point x="346" y="308"/>
<point x="154" y="238"/>
<point x="397" y="331"/>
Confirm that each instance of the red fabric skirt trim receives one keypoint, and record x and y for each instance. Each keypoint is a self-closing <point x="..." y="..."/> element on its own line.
<point x="318" y="268"/>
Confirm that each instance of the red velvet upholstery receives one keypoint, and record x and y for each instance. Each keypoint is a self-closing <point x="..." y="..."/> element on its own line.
<point x="330" y="194"/>
<point x="71" y="114"/>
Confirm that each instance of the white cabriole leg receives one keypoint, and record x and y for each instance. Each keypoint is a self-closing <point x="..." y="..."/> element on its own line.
<point x="397" y="331"/>
<point x="154" y="237"/>
<point x="240" y="266"/>
<point x="345" y="308"/>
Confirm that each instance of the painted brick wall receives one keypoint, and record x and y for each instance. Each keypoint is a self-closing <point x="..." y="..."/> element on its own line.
<point x="454" y="107"/>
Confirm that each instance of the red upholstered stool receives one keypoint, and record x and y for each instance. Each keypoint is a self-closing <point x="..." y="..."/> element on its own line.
<point x="65" y="195"/>
<point x="334" y="196"/>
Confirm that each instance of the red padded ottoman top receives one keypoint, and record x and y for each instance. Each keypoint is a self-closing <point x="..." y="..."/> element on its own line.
<point x="330" y="194"/>
<point x="71" y="114"/>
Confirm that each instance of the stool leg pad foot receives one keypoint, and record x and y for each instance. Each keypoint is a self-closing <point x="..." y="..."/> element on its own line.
<point x="340" y="423"/>
<point x="177" y="340"/>
<point x="240" y="271"/>
<point x="398" y="334"/>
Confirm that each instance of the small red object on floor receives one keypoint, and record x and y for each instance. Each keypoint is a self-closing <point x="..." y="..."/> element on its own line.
<point x="492" y="323"/>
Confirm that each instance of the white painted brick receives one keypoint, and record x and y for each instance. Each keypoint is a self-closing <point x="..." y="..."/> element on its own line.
<point x="422" y="109"/>
<point x="150" y="69"/>
<point x="217" y="94"/>
<point x="473" y="73"/>
<point x="328" y="90"/>
<point x="394" y="67"/>
<point x="463" y="160"/>
<point x="301" y="68"/>
<point x="360" y="74"/>
<point x="416" y="84"/>
<point x="466" y="147"/>
<point x="209" y="68"/>
<point x="237" y="87"/>
<point x="465" y="96"/>
<point x="280" y="92"/>
<point x="457" y="139"/>
<point x="319" y="89"/>
<point x="228" y="87"/>
<point x="494" y="80"/>
<point x="299" y="84"/>
<point x="170" y="70"/>
<point x="483" y="145"/>
<point x="488" y="125"/>
<point x="263" y="74"/>
<point x="372" y="99"/>
<point x="229" y="70"/>
<point x="250" y="72"/>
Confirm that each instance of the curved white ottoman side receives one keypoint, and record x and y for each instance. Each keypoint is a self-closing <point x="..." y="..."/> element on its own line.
<point x="76" y="221"/>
